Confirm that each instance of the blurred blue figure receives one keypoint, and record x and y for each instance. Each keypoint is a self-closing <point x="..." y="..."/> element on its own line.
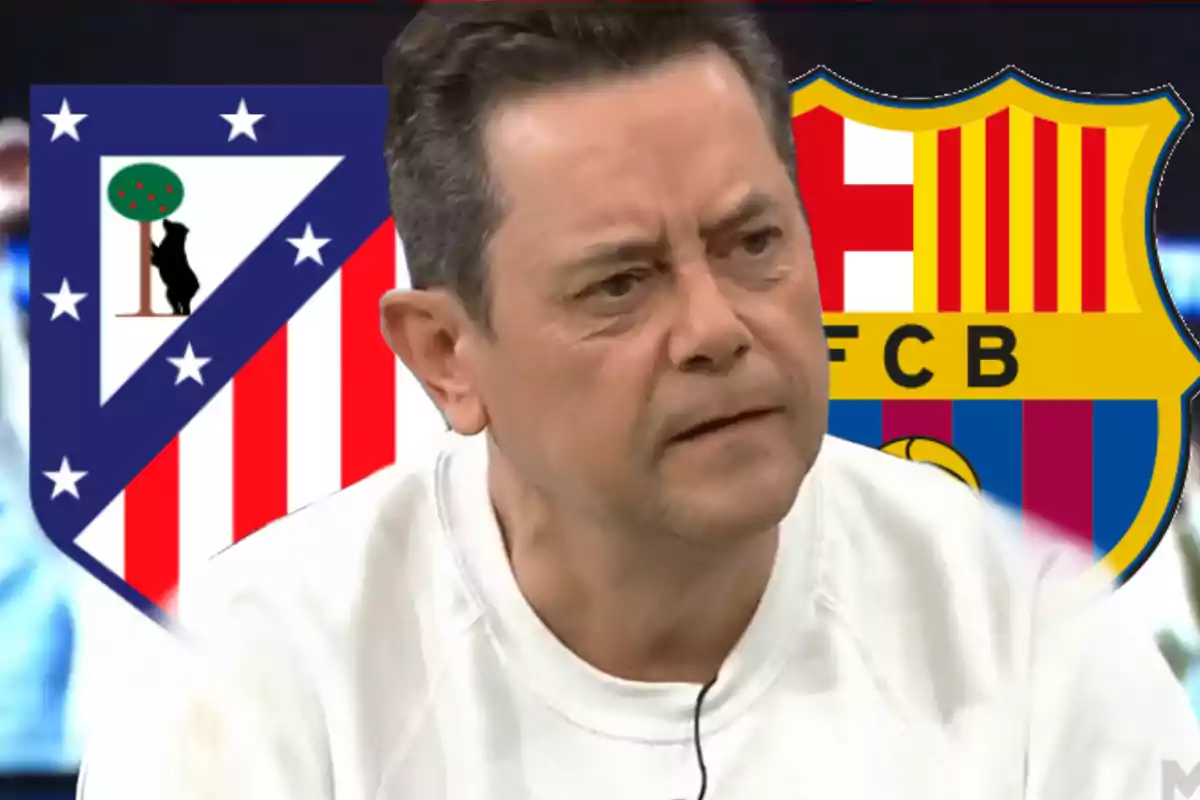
<point x="36" y="612"/>
<point x="18" y="257"/>
<point x="36" y="643"/>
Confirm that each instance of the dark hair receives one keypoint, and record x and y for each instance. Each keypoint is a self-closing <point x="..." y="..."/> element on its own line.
<point x="455" y="62"/>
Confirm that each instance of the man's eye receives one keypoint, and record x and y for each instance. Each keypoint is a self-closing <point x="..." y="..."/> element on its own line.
<point x="618" y="285"/>
<point x="756" y="242"/>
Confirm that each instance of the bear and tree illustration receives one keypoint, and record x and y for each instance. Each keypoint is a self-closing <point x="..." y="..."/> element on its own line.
<point x="147" y="193"/>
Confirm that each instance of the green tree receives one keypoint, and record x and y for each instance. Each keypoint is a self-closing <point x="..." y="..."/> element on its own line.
<point x="145" y="193"/>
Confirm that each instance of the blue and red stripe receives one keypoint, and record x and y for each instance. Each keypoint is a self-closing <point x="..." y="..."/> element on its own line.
<point x="1082" y="465"/>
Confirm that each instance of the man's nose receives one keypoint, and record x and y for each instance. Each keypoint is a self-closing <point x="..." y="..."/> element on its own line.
<point x="708" y="335"/>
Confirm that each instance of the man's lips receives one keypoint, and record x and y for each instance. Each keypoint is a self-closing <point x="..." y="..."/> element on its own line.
<point x="720" y="423"/>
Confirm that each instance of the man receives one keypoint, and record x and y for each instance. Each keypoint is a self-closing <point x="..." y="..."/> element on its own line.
<point x="639" y="568"/>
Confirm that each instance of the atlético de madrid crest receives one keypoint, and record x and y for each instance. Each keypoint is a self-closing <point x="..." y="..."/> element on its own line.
<point x="206" y="355"/>
<point x="992" y="295"/>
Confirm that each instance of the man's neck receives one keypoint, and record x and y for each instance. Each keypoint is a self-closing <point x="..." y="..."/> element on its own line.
<point x="644" y="606"/>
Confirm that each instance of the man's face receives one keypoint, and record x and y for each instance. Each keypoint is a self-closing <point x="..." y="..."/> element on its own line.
<point x="653" y="273"/>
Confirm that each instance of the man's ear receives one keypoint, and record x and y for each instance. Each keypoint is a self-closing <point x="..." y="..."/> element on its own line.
<point x="429" y="331"/>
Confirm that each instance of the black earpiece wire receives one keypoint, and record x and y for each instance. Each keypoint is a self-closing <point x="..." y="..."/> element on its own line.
<point x="696" y="738"/>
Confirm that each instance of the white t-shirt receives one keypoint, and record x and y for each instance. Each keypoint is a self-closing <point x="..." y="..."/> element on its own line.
<point x="376" y="646"/>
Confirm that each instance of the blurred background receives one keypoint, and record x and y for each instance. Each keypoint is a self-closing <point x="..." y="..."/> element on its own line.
<point x="59" y="635"/>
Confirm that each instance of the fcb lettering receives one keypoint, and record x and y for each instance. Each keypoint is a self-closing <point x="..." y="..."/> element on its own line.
<point x="984" y="344"/>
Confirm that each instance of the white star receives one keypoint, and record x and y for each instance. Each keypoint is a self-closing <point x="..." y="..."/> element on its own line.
<point x="308" y="246"/>
<point x="65" y="479"/>
<point x="65" y="301"/>
<point x="65" y="122"/>
<point x="241" y="123"/>
<point x="189" y="366"/>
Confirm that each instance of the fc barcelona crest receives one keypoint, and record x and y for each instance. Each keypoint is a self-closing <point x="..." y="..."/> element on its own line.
<point x="206" y="355"/>
<point x="993" y="299"/>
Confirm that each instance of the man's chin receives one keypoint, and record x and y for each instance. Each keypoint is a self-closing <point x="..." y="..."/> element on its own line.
<point x="742" y="506"/>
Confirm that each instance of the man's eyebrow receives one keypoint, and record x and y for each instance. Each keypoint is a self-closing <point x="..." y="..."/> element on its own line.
<point x="641" y="249"/>
<point x="752" y="205"/>
<point x="608" y="253"/>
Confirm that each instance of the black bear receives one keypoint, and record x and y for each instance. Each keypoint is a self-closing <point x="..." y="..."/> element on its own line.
<point x="170" y="256"/>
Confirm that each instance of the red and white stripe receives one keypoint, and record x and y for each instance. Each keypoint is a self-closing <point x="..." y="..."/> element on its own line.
<point x="322" y="405"/>
<point x="857" y="183"/>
